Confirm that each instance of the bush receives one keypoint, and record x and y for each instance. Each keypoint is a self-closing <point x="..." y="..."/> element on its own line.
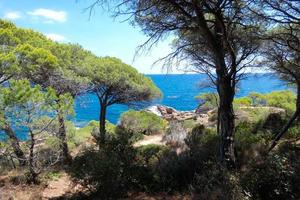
<point x="176" y="134"/>
<point x="52" y="175"/>
<point x="274" y="122"/>
<point x="282" y="99"/>
<point x="273" y="178"/>
<point x="176" y="171"/>
<point x="189" y="124"/>
<point x="142" y="122"/>
<point x="242" y="101"/>
<point x="208" y="101"/>
<point x="293" y="132"/>
<point x="150" y="154"/>
<point x="215" y="183"/>
<point x="93" y="129"/>
<point x="110" y="171"/>
<point x="52" y="130"/>
<point x="249" y="143"/>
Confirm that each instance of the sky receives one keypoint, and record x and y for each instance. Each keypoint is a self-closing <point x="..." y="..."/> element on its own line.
<point x="69" y="21"/>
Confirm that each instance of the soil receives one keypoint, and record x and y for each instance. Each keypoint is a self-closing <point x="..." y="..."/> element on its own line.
<point x="150" y="139"/>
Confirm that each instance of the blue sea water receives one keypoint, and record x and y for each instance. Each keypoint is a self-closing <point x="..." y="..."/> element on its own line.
<point x="178" y="92"/>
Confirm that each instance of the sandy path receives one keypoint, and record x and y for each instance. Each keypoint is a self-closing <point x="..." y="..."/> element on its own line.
<point x="57" y="188"/>
<point x="150" y="139"/>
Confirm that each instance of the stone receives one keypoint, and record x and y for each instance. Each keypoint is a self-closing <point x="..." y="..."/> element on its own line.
<point x="171" y="114"/>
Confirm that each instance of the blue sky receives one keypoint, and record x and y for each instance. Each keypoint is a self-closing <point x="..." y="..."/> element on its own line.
<point x="66" y="21"/>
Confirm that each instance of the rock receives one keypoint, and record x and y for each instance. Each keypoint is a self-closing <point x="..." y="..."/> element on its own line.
<point x="202" y="110"/>
<point x="171" y="114"/>
<point x="154" y="110"/>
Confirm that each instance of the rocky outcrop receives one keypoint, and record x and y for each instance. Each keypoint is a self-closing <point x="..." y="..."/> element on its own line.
<point x="206" y="117"/>
<point x="170" y="114"/>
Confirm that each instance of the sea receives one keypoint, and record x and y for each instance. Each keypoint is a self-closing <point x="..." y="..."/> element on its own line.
<point x="179" y="91"/>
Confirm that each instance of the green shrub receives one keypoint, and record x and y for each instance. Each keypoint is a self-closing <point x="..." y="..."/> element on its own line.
<point x="258" y="99"/>
<point x="293" y="132"/>
<point x="176" y="171"/>
<point x="272" y="178"/>
<point x="190" y="124"/>
<point x="242" y="101"/>
<point x="150" y="154"/>
<point x="208" y="101"/>
<point x="52" y="175"/>
<point x="282" y="99"/>
<point x="273" y="123"/>
<point x="110" y="171"/>
<point x="249" y="143"/>
<point x="19" y="179"/>
<point x="52" y="129"/>
<point x="136" y="137"/>
<point x="215" y="183"/>
<point x="142" y="122"/>
<point x="203" y="143"/>
<point x="254" y="114"/>
<point x="92" y="129"/>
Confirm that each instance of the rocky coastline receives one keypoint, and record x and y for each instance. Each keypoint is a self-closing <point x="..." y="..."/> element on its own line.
<point x="171" y="114"/>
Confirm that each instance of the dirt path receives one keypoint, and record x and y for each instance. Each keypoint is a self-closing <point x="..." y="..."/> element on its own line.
<point x="57" y="188"/>
<point x="150" y="139"/>
<point x="63" y="186"/>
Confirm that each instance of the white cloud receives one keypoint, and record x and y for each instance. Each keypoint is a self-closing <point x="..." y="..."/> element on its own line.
<point x="49" y="15"/>
<point x="56" y="37"/>
<point x="13" y="15"/>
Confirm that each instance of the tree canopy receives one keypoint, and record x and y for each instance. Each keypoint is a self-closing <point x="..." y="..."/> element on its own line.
<point x="218" y="38"/>
<point x="115" y="82"/>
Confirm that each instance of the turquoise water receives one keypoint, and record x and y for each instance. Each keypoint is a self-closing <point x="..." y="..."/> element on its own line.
<point x="178" y="92"/>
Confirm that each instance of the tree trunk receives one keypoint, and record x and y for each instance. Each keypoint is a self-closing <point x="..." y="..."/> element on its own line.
<point x="289" y="123"/>
<point x="102" y="120"/>
<point x="226" y="89"/>
<point x="66" y="158"/>
<point x="15" y="144"/>
<point x="33" y="174"/>
<point x="226" y="123"/>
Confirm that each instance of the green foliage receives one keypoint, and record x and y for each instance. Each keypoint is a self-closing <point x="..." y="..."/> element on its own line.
<point x="189" y="124"/>
<point x="208" y="101"/>
<point x="52" y="129"/>
<point x="242" y="101"/>
<point x="108" y="170"/>
<point x="293" y="132"/>
<point x="85" y="132"/>
<point x="273" y="178"/>
<point x="150" y="154"/>
<point x="53" y="176"/>
<point x="115" y="82"/>
<point x="214" y="183"/>
<point x="92" y="127"/>
<point x="248" y="133"/>
<point x="142" y="122"/>
<point x="253" y="114"/>
<point x="126" y="83"/>
<point x="251" y="141"/>
<point x="62" y="103"/>
<point x="282" y="99"/>
<point x="174" y="171"/>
